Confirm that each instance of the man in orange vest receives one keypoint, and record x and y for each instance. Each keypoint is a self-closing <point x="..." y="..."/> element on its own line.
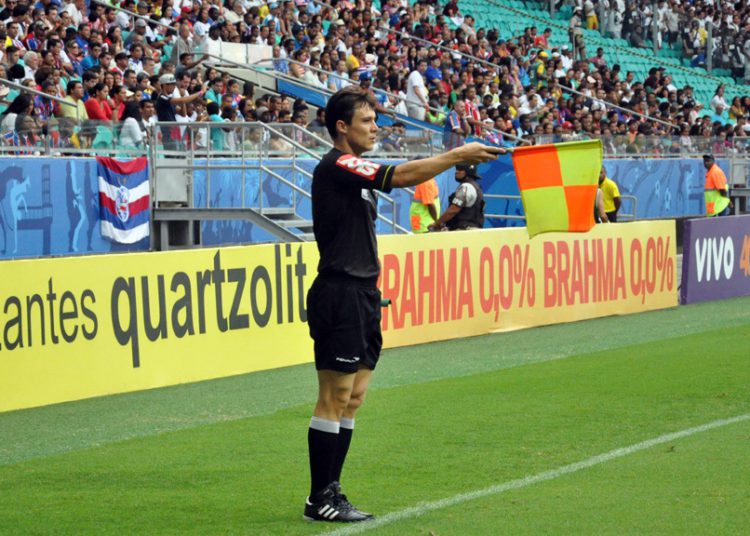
<point x="716" y="194"/>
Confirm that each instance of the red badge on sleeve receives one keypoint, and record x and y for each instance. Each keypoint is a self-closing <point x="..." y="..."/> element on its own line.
<point x="363" y="168"/>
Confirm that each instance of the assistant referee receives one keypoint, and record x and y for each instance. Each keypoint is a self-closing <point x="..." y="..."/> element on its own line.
<point x="344" y="302"/>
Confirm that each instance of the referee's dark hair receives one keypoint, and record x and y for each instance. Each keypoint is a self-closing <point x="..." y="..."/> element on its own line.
<point x="343" y="103"/>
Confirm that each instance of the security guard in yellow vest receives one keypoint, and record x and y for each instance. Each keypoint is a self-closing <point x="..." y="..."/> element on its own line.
<point x="716" y="191"/>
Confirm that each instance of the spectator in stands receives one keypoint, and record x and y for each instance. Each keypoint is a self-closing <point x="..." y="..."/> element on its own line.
<point x="434" y="73"/>
<point x="45" y="107"/>
<point x="91" y="59"/>
<point x="76" y="110"/>
<point x="97" y="106"/>
<point x="598" y="60"/>
<point x="216" y="91"/>
<point x="165" y="109"/>
<point x="542" y="41"/>
<point x="393" y="142"/>
<point x="693" y="41"/>
<point x="576" y="34"/>
<point x="148" y="114"/>
<point x="22" y="104"/>
<point x="610" y="194"/>
<point x="119" y="95"/>
<point x="416" y="93"/>
<point x="217" y="134"/>
<point x="339" y="79"/>
<point x="615" y="18"/>
<point x="637" y="37"/>
<point x="457" y="127"/>
<point x="184" y="42"/>
<point x="589" y="11"/>
<point x="719" y="101"/>
<point x="131" y="133"/>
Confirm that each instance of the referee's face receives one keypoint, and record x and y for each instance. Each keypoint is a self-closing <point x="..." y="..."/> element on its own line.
<point x="362" y="134"/>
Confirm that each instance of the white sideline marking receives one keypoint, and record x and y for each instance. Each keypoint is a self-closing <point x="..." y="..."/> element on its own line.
<point x="423" y="508"/>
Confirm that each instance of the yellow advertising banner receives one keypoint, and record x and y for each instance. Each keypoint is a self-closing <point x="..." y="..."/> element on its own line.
<point x="448" y="285"/>
<point x="79" y="327"/>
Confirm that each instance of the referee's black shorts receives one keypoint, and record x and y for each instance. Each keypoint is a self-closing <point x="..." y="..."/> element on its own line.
<point x="343" y="314"/>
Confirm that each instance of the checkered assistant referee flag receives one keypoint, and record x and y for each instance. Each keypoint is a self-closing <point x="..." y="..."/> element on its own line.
<point x="558" y="185"/>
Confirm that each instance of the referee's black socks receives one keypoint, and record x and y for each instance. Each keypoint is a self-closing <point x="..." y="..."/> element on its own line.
<point x="345" y="438"/>
<point x="323" y="443"/>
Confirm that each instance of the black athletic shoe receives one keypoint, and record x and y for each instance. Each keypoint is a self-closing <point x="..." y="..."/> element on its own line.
<point x="326" y="506"/>
<point x="344" y="502"/>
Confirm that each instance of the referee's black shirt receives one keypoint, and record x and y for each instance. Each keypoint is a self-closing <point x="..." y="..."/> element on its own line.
<point x="344" y="211"/>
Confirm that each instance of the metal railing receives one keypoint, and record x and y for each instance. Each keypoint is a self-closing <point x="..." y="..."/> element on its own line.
<point x="257" y="145"/>
<point x="33" y="91"/>
<point x="61" y="138"/>
<point x="628" y="209"/>
<point x="509" y="198"/>
<point x="642" y="146"/>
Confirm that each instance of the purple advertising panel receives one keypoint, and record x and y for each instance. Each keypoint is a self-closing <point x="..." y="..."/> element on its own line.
<point x="716" y="259"/>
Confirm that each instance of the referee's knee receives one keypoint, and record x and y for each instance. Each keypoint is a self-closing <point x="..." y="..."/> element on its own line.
<point x="334" y="400"/>
<point x="355" y="401"/>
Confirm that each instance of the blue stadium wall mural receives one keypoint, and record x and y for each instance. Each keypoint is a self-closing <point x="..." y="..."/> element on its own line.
<point x="51" y="206"/>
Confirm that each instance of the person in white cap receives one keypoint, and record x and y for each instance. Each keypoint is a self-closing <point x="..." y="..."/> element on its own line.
<point x="165" y="109"/>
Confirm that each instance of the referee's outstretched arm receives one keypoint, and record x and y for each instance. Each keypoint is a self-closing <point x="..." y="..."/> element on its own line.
<point x="418" y="171"/>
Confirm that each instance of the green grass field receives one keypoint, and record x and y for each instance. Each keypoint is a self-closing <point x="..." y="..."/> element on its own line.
<point x="471" y="436"/>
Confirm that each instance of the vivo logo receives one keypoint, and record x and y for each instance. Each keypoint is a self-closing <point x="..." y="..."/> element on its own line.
<point x="713" y="257"/>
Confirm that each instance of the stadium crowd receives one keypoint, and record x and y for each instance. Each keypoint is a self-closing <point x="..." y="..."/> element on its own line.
<point x="433" y="61"/>
<point x="679" y="25"/>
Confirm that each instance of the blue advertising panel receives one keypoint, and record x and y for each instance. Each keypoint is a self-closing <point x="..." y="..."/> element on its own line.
<point x="715" y="259"/>
<point x="50" y="206"/>
<point x="663" y="188"/>
<point x="499" y="178"/>
<point x="226" y="188"/>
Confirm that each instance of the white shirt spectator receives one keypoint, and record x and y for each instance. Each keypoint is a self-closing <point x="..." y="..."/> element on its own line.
<point x="200" y="133"/>
<point x="567" y="62"/>
<point x="588" y="8"/>
<point x="74" y="13"/>
<point x="415" y="83"/>
<point x="131" y="134"/>
<point x="123" y="20"/>
<point x="338" y="81"/>
<point x="137" y="66"/>
<point x="231" y="16"/>
<point x="596" y="104"/>
<point x="201" y="29"/>
<point x="719" y="100"/>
